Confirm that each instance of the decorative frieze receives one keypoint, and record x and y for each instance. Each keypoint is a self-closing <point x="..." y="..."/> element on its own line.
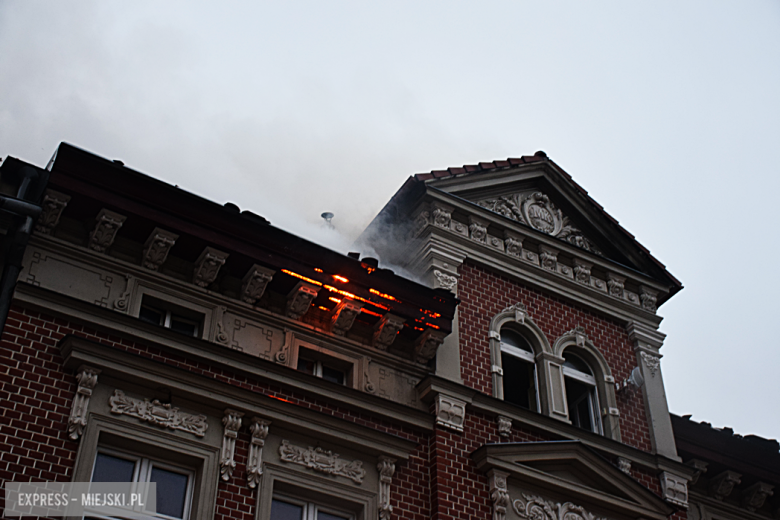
<point x="442" y="215"/>
<point x="753" y="497"/>
<point x="157" y="247"/>
<point x="477" y="230"/>
<point x="386" y="469"/>
<point x="427" y="344"/>
<point x="52" y="206"/>
<point x="158" y="413"/>
<point x="344" y="315"/>
<point x="450" y="412"/>
<point x="445" y="281"/>
<point x="86" y="379"/>
<point x="723" y="484"/>
<point x="254" y="283"/>
<point x="533" y="507"/>
<point x="207" y="266"/>
<point x="254" y="466"/>
<point x="499" y="494"/>
<point x="504" y="425"/>
<point x="624" y="465"/>
<point x="651" y="362"/>
<point x="649" y="297"/>
<point x="107" y="224"/>
<point x="582" y="271"/>
<point x="386" y="330"/>
<point x="322" y="461"/>
<point x="548" y="258"/>
<point x="615" y="285"/>
<point x="300" y="298"/>
<point x="227" y="462"/>
<point x="674" y="489"/>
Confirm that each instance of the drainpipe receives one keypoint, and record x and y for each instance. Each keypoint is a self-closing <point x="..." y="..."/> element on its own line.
<point x="25" y="209"/>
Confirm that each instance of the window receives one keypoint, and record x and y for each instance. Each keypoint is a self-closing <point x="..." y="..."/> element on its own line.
<point x="581" y="395"/>
<point x="519" y="368"/>
<point x="323" y="366"/>
<point x="284" y="508"/>
<point x="179" y="319"/>
<point x="174" y="483"/>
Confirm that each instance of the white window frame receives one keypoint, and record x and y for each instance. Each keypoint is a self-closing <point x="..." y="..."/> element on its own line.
<point x="592" y="395"/>
<point x="167" y="315"/>
<point x="142" y="472"/>
<point x="528" y="357"/>
<point x="310" y="509"/>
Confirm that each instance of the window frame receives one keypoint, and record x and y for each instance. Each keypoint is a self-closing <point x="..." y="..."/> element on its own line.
<point x="525" y="356"/>
<point x="311" y="508"/>
<point x="319" y="353"/>
<point x="175" y="299"/>
<point x="592" y="395"/>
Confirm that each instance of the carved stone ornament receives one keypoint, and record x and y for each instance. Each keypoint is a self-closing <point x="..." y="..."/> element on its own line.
<point x="504" y="426"/>
<point x="700" y="466"/>
<point x="722" y="485"/>
<point x="86" y="379"/>
<point x="615" y="285"/>
<point x="520" y="312"/>
<point x="420" y="223"/>
<point x="533" y="507"/>
<point x="674" y="489"/>
<point x="444" y="280"/>
<point x="582" y="271"/>
<point x="157" y="247"/>
<point x="442" y="216"/>
<point x="386" y="469"/>
<point x="254" y="466"/>
<point x="107" y="224"/>
<point x="652" y="362"/>
<point x="753" y="497"/>
<point x="254" y="283"/>
<point x="477" y="230"/>
<point x="299" y="299"/>
<point x="227" y="461"/>
<point x="157" y="413"/>
<point x="386" y="330"/>
<point x="513" y="244"/>
<point x="548" y="258"/>
<point x="499" y="494"/>
<point x="649" y="298"/>
<point x="344" y="315"/>
<point x="322" y="461"/>
<point x="207" y="266"/>
<point x="537" y="211"/>
<point x="427" y="344"/>
<point x="624" y="465"/>
<point x="123" y="299"/>
<point x="51" y="210"/>
<point x="579" y="334"/>
<point x="450" y="412"/>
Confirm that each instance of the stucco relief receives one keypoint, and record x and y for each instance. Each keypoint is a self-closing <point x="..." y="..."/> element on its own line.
<point x="158" y="413"/>
<point x="537" y="211"/>
<point x="534" y="507"/>
<point x="87" y="380"/>
<point x="322" y="461"/>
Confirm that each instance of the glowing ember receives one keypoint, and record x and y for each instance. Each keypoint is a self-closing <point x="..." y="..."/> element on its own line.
<point x="340" y="278"/>
<point x="315" y="282"/>
<point x="337" y="300"/>
<point x="384" y="295"/>
<point x="318" y="269"/>
<point x="328" y="310"/>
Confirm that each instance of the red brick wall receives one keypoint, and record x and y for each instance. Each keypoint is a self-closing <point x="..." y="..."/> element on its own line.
<point x="484" y="294"/>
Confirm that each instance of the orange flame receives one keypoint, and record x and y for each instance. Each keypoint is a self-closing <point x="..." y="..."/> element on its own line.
<point x="372" y="313"/>
<point x="337" y="300"/>
<point x="318" y="269"/>
<point x="384" y="295"/>
<point x="324" y="308"/>
<point x="340" y="278"/>
<point x="315" y="282"/>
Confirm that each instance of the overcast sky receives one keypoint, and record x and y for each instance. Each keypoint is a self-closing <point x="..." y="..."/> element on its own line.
<point x="668" y="113"/>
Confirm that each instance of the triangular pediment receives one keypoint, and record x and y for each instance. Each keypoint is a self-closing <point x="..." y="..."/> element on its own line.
<point x="571" y="470"/>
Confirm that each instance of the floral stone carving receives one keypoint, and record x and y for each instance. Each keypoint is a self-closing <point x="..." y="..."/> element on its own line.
<point x="582" y="271"/>
<point x="107" y="224"/>
<point x="87" y="380"/>
<point x="157" y="413"/>
<point x="322" y="461"/>
<point x="444" y="280"/>
<point x="157" y="247"/>
<point x="227" y="462"/>
<point x="652" y="362"/>
<point x="207" y="266"/>
<point x="386" y="469"/>
<point x="450" y="412"/>
<point x="532" y="507"/>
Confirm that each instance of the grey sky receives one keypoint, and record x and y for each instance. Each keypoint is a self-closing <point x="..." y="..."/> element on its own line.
<point x="668" y="113"/>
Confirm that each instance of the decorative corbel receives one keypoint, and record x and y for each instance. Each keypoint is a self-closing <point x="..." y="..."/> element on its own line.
<point x="753" y="497"/>
<point x="300" y="298"/>
<point x="442" y="215"/>
<point x="700" y="466"/>
<point x="232" y="423"/>
<point x="548" y="258"/>
<point x="386" y="469"/>
<point x="499" y="494"/>
<point x="624" y="465"/>
<point x="157" y="247"/>
<point x="674" y="489"/>
<point x="582" y="271"/>
<point x="254" y="283"/>
<point x="344" y="315"/>
<point x="478" y="229"/>
<point x="107" y="223"/>
<point x="504" y="425"/>
<point x="427" y="344"/>
<point x="445" y="281"/>
<point x="207" y="266"/>
<point x="513" y="244"/>
<point x="649" y="297"/>
<point x="615" y="284"/>
<point x="86" y="378"/>
<point x="52" y="206"/>
<point x="723" y="484"/>
<point x="254" y="466"/>
<point x="386" y="330"/>
<point x="450" y="412"/>
<point x="520" y="312"/>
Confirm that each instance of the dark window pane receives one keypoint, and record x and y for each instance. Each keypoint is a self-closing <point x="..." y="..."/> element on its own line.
<point x="578" y="399"/>
<point x="304" y="365"/>
<point x="112" y="469"/>
<point x="519" y="386"/>
<point x="183" y="325"/>
<point x="575" y="362"/>
<point x="514" y="339"/>
<point x="285" y="511"/>
<point x="171" y="491"/>
<point x="333" y="375"/>
<point x="150" y="315"/>
<point x="328" y="516"/>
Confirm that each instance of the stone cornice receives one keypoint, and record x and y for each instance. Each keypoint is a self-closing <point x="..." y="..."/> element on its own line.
<point x="135" y="369"/>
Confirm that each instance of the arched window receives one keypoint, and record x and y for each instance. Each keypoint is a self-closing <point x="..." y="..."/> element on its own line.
<point x="520" y="381"/>
<point x="581" y="393"/>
